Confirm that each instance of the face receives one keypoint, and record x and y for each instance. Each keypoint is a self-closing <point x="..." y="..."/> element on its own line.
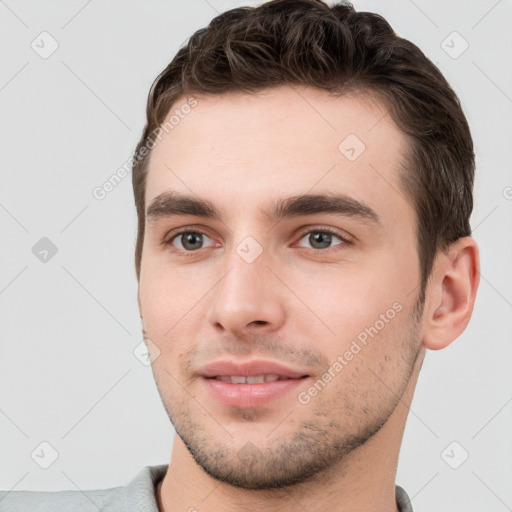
<point x="279" y="280"/>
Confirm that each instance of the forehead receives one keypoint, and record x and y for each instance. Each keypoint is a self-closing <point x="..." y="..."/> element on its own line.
<point x="239" y="150"/>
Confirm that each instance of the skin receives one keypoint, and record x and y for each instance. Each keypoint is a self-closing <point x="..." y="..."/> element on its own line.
<point x="292" y="304"/>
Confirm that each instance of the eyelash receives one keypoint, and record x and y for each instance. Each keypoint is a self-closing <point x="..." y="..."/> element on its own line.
<point x="344" y="240"/>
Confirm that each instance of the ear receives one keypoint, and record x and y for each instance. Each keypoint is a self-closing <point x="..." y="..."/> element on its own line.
<point x="451" y="293"/>
<point x="140" y="313"/>
<point x="140" y="307"/>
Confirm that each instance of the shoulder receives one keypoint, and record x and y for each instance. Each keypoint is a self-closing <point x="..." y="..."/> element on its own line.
<point x="139" y="494"/>
<point x="45" y="501"/>
<point x="402" y="500"/>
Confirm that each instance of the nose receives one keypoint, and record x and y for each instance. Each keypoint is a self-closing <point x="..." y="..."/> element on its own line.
<point x="248" y="299"/>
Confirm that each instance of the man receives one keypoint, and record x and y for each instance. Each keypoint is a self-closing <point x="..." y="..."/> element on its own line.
<point x="303" y="188"/>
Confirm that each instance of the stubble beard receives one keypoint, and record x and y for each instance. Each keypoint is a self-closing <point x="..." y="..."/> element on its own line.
<point x="339" y="424"/>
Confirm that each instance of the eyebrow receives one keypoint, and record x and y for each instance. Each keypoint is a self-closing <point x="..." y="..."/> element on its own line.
<point x="171" y="204"/>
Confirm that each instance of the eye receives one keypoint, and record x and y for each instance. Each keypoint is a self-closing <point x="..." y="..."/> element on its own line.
<point x="189" y="241"/>
<point x="322" y="239"/>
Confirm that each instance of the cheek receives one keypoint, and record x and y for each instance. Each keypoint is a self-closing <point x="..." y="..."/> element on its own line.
<point x="347" y="303"/>
<point x="167" y="301"/>
<point x="348" y="300"/>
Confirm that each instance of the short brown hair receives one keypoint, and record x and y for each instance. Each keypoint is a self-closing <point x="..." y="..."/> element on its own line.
<point x="339" y="50"/>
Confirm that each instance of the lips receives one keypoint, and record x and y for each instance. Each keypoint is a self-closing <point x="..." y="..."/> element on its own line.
<point x="252" y="379"/>
<point x="254" y="368"/>
<point x="249" y="384"/>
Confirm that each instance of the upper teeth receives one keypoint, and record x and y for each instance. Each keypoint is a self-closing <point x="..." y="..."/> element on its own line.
<point x="253" y="379"/>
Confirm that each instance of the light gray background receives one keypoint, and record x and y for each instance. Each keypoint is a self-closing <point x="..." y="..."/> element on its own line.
<point x="68" y="375"/>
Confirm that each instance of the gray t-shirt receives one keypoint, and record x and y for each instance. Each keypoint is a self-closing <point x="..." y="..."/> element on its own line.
<point x="139" y="495"/>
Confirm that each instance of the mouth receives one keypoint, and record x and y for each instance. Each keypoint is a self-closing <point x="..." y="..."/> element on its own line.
<point x="250" y="384"/>
<point x="252" y="379"/>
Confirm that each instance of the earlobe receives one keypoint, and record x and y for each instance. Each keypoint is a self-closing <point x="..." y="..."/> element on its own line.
<point x="451" y="293"/>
